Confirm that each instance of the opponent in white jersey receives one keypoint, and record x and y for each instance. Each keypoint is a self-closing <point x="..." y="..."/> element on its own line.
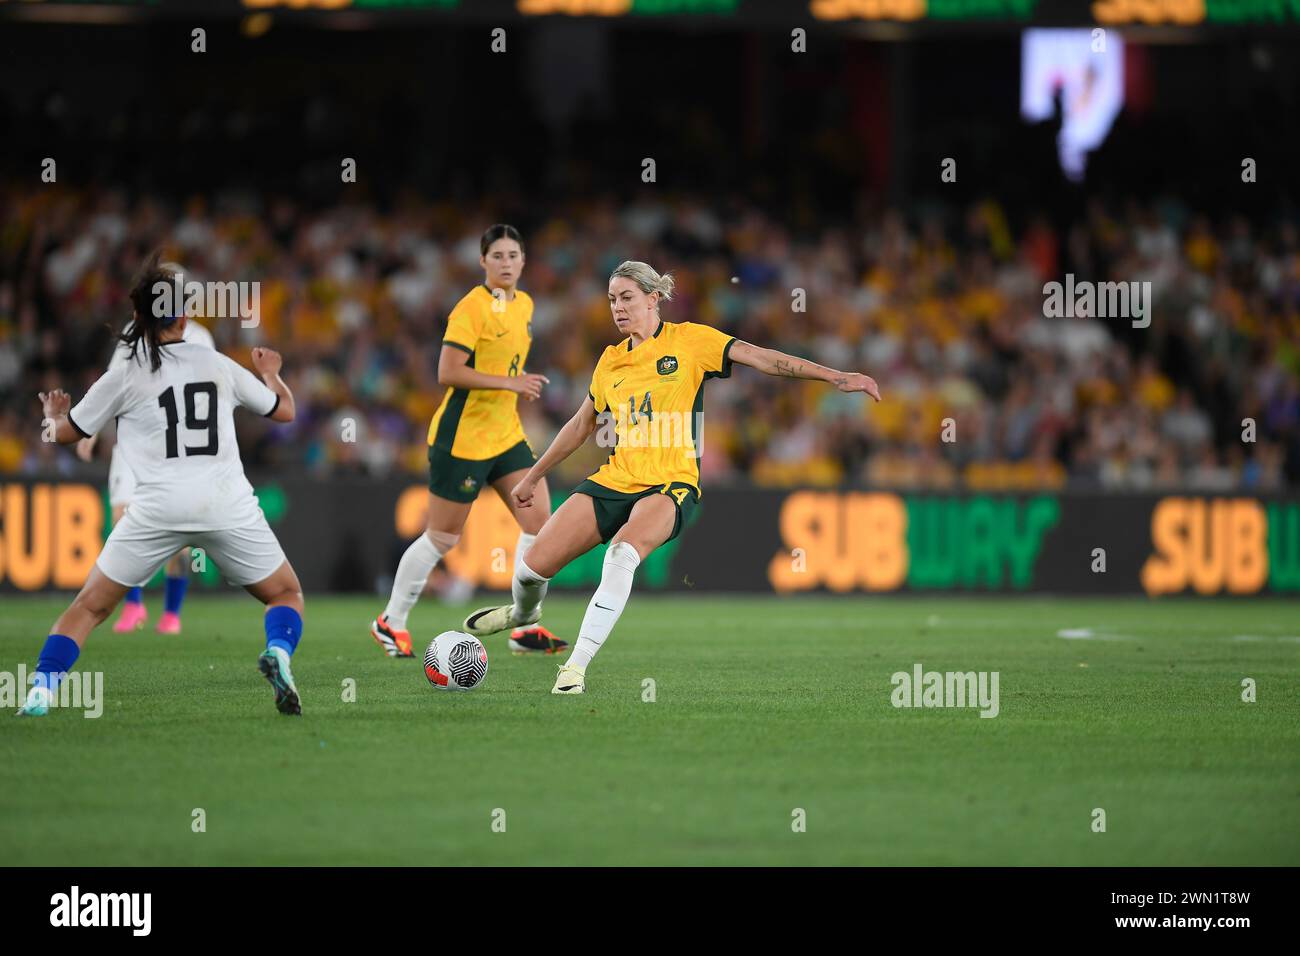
<point x="174" y="402"/>
<point x="121" y="488"/>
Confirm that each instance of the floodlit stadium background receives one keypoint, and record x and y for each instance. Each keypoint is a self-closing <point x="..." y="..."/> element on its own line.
<point x="818" y="171"/>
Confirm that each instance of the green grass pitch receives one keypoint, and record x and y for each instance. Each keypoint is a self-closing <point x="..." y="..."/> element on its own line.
<point x="762" y="706"/>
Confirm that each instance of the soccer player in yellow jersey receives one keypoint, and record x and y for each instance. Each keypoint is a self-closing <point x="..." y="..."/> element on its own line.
<point x="476" y="439"/>
<point x="651" y="387"/>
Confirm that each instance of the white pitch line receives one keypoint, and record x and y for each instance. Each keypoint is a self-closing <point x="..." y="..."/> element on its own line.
<point x="1075" y="633"/>
<point x="1090" y="634"/>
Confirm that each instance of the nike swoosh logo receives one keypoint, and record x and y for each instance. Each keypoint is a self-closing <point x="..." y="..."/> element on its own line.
<point x="603" y="608"/>
<point x="620" y="381"/>
<point x="506" y="332"/>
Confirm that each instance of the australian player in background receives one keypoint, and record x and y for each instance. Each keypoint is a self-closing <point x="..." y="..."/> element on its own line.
<point x="641" y="497"/>
<point x="174" y="403"/>
<point x="476" y="439"/>
<point x="121" y="487"/>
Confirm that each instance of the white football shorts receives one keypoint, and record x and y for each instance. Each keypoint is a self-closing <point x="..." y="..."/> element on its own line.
<point x="133" y="553"/>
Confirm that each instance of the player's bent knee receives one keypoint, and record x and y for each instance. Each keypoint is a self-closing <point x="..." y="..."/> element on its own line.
<point x="643" y="535"/>
<point x="290" y="592"/>
<point x="631" y="542"/>
<point x="535" y="560"/>
<point x="291" y="599"/>
<point x="444" y="541"/>
<point x="286" y="597"/>
<point x="626" y="553"/>
<point x="282" y="587"/>
<point x="544" y="561"/>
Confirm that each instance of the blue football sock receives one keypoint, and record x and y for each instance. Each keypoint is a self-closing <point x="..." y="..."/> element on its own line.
<point x="283" y="628"/>
<point x="134" y="596"/>
<point x="174" y="595"/>
<point x="57" y="657"/>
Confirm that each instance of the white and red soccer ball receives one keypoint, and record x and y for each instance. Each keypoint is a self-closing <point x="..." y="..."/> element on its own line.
<point x="455" y="661"/>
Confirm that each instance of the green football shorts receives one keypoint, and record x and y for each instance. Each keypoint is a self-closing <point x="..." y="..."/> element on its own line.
<point x="461" y="479"/>
<point x="613" y="508"/>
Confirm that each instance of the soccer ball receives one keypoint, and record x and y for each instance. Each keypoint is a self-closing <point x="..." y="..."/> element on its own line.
<point x="455" y="661"/>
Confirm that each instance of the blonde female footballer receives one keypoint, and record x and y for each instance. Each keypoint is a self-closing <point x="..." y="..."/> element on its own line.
<point x="640" y="497"/>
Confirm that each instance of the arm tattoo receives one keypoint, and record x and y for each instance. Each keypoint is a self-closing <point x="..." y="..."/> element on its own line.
<point x="789" y="369"/>
<point x="839" y="382"/>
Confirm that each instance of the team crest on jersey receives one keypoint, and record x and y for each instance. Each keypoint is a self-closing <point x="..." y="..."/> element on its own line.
<point x="667" y="365"/>
<point x="469" y="484"/>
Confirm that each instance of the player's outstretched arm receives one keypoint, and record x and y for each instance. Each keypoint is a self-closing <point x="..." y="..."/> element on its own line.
<point x="55" y="405"/>
<point x="772" y="362"/>
<point x="454" y="370"/>
<point x="268" y="362"/>
<point x="567" y="440"/>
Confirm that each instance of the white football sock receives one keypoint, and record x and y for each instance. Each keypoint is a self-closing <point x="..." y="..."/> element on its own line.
<point x="521" y="548"/>
<point x="607" y="603"/>
<point x="528" y="587"/>
<point x="413" y="573"/>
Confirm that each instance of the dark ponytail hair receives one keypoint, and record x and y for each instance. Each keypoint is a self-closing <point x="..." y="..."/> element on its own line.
<point x="499" y="231"/>
<point x="147" y="326"/>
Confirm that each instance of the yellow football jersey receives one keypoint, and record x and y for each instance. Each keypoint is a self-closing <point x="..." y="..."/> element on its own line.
<point x="655" y="396"/>
<point x="479" y="423"/>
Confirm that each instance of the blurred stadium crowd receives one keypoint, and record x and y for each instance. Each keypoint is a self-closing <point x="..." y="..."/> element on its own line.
<point x="943" y="305"/>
